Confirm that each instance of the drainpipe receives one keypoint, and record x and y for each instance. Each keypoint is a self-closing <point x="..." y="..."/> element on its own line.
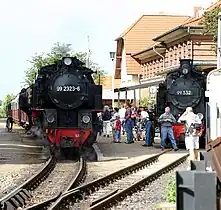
<point x="188" y="29"/>
<point x="192" y="49"/>
<point x="154" y="49"/>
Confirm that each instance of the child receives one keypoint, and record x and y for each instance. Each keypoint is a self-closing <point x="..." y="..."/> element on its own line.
<point x="117" y="129"/>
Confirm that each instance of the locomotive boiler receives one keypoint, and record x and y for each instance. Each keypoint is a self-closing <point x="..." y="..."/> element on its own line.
<point x="68" y="100"/>
<point x="182" y="88"/>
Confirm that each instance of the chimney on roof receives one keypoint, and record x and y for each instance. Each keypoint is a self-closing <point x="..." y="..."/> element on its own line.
<point x="197" y="11"/>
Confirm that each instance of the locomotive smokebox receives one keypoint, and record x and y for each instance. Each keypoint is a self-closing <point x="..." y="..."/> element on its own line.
<point x="185" y="66"/>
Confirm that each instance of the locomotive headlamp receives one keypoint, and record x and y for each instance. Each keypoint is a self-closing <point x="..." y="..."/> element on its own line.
<point x="185" y="68"/>
<point x="86" y="119"/>
<point x="50" y="118"/>
<point x="67" y="61"/>
<point x="185" y="71"/>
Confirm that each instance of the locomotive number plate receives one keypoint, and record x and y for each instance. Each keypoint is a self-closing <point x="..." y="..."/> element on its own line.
<point x="184" y="92"/>
<point x="68" y="88"/>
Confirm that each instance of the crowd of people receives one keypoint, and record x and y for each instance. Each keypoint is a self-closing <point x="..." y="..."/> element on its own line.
<point x="134" y="121"/>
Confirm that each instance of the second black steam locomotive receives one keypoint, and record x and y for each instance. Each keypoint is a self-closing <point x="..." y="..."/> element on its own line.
<point x="182" y="88"/>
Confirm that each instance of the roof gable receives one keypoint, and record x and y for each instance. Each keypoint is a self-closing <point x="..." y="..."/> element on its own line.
<point x="177" y="18"/>
<point x="197" y="20"/>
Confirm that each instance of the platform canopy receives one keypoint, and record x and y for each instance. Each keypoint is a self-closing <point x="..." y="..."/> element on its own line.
<point x="148" y="83"/>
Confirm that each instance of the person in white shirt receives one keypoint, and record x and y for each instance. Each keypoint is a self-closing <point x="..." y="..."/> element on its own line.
<point x="121" y="112"/>
<point x="144" y="114"/>
<point x="191" y="137"/>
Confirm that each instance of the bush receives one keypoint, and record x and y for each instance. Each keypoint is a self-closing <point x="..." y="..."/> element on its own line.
<point x="171" y="190"/>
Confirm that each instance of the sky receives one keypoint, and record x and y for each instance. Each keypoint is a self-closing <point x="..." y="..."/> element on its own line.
<point x="33" y="26"/>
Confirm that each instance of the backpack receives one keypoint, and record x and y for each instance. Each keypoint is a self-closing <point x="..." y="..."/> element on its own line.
<point x="151" y="116"/>
<point x="106" y="115"/>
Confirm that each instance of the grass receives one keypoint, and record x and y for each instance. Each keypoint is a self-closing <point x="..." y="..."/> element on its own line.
<point x="171" y="190"/>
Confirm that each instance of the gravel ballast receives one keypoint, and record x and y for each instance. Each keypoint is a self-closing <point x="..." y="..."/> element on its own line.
<point x="152" y="194"/>
<point x="12" y="175"/>
<point x="56" y="182"/>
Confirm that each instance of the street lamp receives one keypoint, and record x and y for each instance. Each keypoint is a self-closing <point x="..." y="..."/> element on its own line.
<point x="112" y="57"/>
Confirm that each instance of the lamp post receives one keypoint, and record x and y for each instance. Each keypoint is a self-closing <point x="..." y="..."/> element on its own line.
<point x="112" y="57"/>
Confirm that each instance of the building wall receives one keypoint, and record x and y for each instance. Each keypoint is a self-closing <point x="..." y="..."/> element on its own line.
<point x="203" y="48"/>
<point x="196" y="47"/>
<point x="139" y="36"/>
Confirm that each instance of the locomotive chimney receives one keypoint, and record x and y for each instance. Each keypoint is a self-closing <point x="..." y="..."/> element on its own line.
<point x="185" y="62"/>
<point x="185" y="66"/>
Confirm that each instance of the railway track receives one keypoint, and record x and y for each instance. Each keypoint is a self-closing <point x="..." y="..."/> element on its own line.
<point x="109" y="190"/>
<point x="41" y="190"/>
<point x="18" y="196"/>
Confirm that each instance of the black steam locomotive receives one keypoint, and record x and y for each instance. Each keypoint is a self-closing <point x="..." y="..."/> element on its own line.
<point x="68" y="100"/>
<point x="182" y="88"/>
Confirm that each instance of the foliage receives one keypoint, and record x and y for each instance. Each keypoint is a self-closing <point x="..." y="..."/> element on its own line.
<point x="7" y="100"/>
<point x="115" y="104"/>
<point x="145" y="102"/>
<point x="57" y="52"/>
<point x="210" y="21"/>
<point x="171" y="190"/>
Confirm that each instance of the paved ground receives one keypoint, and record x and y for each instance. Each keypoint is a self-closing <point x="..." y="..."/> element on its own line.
<point x="121" y="150"/>
<point x="16" y="148"/>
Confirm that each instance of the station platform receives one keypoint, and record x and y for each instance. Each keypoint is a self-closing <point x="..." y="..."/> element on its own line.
<point x="108" y="150"/>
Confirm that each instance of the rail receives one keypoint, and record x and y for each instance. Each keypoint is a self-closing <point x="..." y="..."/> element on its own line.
<point x="79" y="177"/>
<point x="18" y="196"/>
<point x="114" y="198"/>
<point x="78" y="194"/>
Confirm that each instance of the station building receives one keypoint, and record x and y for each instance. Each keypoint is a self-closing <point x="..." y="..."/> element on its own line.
<point x="106" y="82"/>
<point x="154" y="45"/>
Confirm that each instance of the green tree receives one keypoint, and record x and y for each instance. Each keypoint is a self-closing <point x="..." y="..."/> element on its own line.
<point x="57" y="52"/>
<point x="210" y="21"/>
<point x="7" y="100"/>
<point x="146" y="102"/>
